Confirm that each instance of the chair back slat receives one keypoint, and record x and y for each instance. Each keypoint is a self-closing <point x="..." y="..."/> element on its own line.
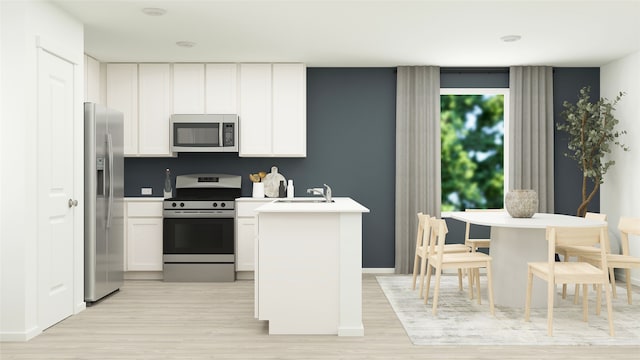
<point x="422" y="223"/>
<point x="628" y="226"/>
<point x="575" y="236"/>
<point x="438" y="234"/>
<point x="595" y="216"/>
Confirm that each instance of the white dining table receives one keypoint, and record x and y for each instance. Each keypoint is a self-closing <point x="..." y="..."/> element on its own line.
<point x="514" y="243"/>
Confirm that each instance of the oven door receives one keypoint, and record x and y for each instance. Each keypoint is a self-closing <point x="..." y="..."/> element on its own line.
<point x="198" y="236"/>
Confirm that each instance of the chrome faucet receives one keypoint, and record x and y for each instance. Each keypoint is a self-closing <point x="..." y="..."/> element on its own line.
<point x="326" y="192"/>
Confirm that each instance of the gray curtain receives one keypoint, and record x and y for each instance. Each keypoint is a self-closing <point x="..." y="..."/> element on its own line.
<point x="531" y="132"/>
<point x="417" y="156"/>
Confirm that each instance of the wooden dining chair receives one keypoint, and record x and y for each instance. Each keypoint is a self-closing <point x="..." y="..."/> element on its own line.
<point x="568" y="252"/>
<point x="577" y="272"/>
<point x="439" y="260"/>
<point x="475" y="243"/>
<point x="627" y="226"/>
<point x="422" y="252"/>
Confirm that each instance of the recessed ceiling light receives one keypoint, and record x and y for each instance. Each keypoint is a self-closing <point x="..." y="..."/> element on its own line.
<point x="154" y="11"/>
<point x="186" y="44"/>
<point x="511" y="38"/>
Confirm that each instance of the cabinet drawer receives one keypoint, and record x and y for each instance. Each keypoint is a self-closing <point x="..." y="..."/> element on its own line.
<point x="247" y="208"/>
<point x="144" y="209"/>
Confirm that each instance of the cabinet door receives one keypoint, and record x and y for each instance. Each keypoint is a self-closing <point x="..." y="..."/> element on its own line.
<point x="221" y="88"/>
<point x="155" y="109"/>
<point x="255" y="110"/>
<point x="188" y="88"/>
<point x="92" y="79"/>
<point x="289" y="123"/>
<point x="122" y="95"/>
<point x="245" y="234"/>
<point x="144" y="244"/>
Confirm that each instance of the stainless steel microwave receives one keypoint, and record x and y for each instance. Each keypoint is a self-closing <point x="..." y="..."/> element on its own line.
<point x="204" y="132"/>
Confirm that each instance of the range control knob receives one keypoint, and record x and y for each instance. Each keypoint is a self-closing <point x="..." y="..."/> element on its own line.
<point x="223" y="205"/>
<point x="174" y="204"/>
<point x="215" y="204"/>
<point x="181" y="204"/>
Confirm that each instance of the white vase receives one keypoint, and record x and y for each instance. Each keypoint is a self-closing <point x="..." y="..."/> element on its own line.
<point x="521" y="203"/>
<point x="258" y="190"/>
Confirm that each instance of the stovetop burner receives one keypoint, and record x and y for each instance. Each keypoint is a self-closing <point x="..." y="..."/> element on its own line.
<point x="205" y="191"/>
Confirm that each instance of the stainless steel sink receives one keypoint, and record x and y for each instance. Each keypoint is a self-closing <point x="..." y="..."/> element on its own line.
<point x="303" y="201"/>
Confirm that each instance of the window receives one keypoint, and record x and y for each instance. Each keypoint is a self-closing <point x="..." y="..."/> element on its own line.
<point x="472" y="126"/>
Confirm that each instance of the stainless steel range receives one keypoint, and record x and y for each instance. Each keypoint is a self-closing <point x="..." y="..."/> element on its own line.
<point x="198" y="228"/>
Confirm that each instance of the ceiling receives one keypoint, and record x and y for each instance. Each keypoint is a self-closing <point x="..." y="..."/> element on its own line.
<point x="361" y="33"/>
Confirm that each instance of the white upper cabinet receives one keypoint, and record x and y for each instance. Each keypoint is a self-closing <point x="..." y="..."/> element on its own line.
<point x="91" y="79"/>
<point x="122" y="95"/>
<point x="270" y="100"/>
<point x="188" y="88"/>
<point x="221" y="89"/>
<point x="255" y="110"/>
<point x="289" y="123"/>
<point x="273" y="110"/>
<point x="155" y="109"/>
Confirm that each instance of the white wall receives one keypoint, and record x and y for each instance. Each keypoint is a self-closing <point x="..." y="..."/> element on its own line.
<point x="22" y="23"/>
<point x="620" y="193"/>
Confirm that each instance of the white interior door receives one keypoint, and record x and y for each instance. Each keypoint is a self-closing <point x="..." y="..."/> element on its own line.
<point x="55" y="215"/>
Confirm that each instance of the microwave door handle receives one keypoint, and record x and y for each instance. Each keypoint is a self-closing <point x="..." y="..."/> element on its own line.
<point x="220" y="134"/>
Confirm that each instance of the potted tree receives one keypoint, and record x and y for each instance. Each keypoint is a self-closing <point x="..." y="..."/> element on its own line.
<point x="592" y="132"/>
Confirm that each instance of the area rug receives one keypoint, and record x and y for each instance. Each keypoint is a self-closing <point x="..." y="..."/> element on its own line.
<point x="461" y="321"/>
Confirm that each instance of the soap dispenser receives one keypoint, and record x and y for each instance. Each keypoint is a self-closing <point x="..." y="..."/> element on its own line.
<point x="290" y="189"/>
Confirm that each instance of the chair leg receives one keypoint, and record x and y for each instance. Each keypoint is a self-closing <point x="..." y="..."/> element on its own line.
<point x="577" y="294"/>
<point x="436" y="291"/>
<point x="527" y="304"/>
<point x="585" y="302"/>
<point x="470" y="277"/>
<point x="476" y="272"/>
<point x="428" y="285"/>
<point x="607" y="292"/>
<point x="550" y="293"/>
<point x="460" y="279"/>
<point x="564" y="286"/>
<point x="490" y="288"/>
<point x="627" y="274"/>
<point x="415" y="271"/>
<point x="612" y="278"/>
<point x="423" y="266"/>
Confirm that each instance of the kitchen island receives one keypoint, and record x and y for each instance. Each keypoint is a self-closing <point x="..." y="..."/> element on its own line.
<point x="309" y="266"/>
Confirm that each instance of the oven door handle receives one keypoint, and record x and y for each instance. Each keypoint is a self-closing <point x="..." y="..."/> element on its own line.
<point x="197" y="215"/>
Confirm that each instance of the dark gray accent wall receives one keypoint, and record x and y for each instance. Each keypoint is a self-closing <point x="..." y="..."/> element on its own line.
<point x="350" y="147"/>
<point x="567" y="82"/>
<point x="470" y="78"/>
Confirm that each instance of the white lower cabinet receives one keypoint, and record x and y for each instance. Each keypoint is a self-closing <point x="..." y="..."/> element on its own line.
<point x="246" y="232"/>
<point x="144" y="235"/>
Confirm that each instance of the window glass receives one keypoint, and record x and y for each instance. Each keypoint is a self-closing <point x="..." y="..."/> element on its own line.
<point x="473" y="145"/>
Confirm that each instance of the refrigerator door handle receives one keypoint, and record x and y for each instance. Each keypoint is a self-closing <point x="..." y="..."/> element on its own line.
<point x="110" y="187"/>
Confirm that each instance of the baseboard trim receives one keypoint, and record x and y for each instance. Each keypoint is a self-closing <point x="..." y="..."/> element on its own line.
<point x="20" y="336"/>
<point x="378" y="270"/>
<point x="143" y="275"/>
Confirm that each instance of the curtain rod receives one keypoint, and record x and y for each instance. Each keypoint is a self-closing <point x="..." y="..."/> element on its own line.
<point x="474" y="70"/>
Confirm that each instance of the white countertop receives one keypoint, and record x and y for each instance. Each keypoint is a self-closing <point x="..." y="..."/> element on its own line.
<point x="253" y="199"/>
<point x="538" y="221"/>
<point x="144" y="198"/>
<point x="340" y="204"/>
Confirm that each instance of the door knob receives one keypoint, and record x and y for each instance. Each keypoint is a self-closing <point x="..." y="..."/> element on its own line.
<point x="73" y="203"/>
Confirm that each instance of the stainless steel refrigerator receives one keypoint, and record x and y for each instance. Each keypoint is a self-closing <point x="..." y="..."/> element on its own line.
<point x="104" y="201"/>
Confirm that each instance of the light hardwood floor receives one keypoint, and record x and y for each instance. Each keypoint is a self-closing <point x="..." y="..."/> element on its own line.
<point x="157" y="320"/>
